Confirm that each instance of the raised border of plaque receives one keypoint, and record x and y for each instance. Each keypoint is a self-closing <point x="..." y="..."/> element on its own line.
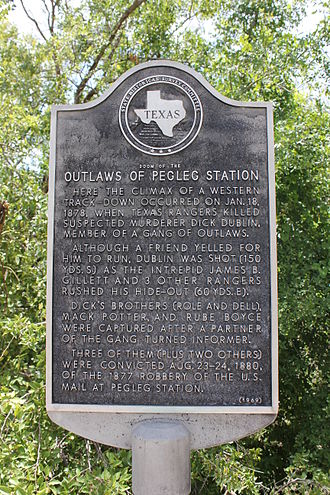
<point x="149" y="409"/>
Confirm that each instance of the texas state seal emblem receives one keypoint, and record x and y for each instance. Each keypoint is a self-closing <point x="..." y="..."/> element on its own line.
<point x="160" y="115"/>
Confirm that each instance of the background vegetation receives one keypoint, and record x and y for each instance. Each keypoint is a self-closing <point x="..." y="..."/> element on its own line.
<point x="249" y="50"/>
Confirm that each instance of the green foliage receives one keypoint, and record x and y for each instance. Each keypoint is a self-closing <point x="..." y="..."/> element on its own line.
<point x="229" y="469"/>
<point x="253" y="52"/>
<point x="303" y="247"/>
<point x="23" y="245"/>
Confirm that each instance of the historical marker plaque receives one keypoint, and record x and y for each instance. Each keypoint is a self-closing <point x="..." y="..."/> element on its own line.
<point x="162" y="260"/>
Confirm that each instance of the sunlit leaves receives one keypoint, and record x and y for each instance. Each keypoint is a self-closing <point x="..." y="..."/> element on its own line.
<point x="249" y="50"/>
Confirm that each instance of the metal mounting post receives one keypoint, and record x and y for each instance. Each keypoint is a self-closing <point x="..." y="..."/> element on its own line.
<point x="161" y="458"/>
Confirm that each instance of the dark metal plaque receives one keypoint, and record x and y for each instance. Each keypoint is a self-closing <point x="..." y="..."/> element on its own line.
<point x="162" y="269"/>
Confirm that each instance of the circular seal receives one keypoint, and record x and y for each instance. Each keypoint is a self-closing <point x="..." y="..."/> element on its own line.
<point x="160" y="115"/>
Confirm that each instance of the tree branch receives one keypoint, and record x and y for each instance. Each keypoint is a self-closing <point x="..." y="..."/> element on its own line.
<point x="48" y="13"/>
<point x="100" y="454"/>
<point x="6" y="419"/>
<point x="302" y="482"/>
<point x="33" y="20"/>
<point x="136" y="4"/>
<point x="38" y="453"/>
<point x="90" y="95"/>
<point x="52" y="24"/>
<point x="187" y="19"/>
<point x="115" y="46"/>
<point x="4" y="207"/>
<point x="93" y="91"/>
